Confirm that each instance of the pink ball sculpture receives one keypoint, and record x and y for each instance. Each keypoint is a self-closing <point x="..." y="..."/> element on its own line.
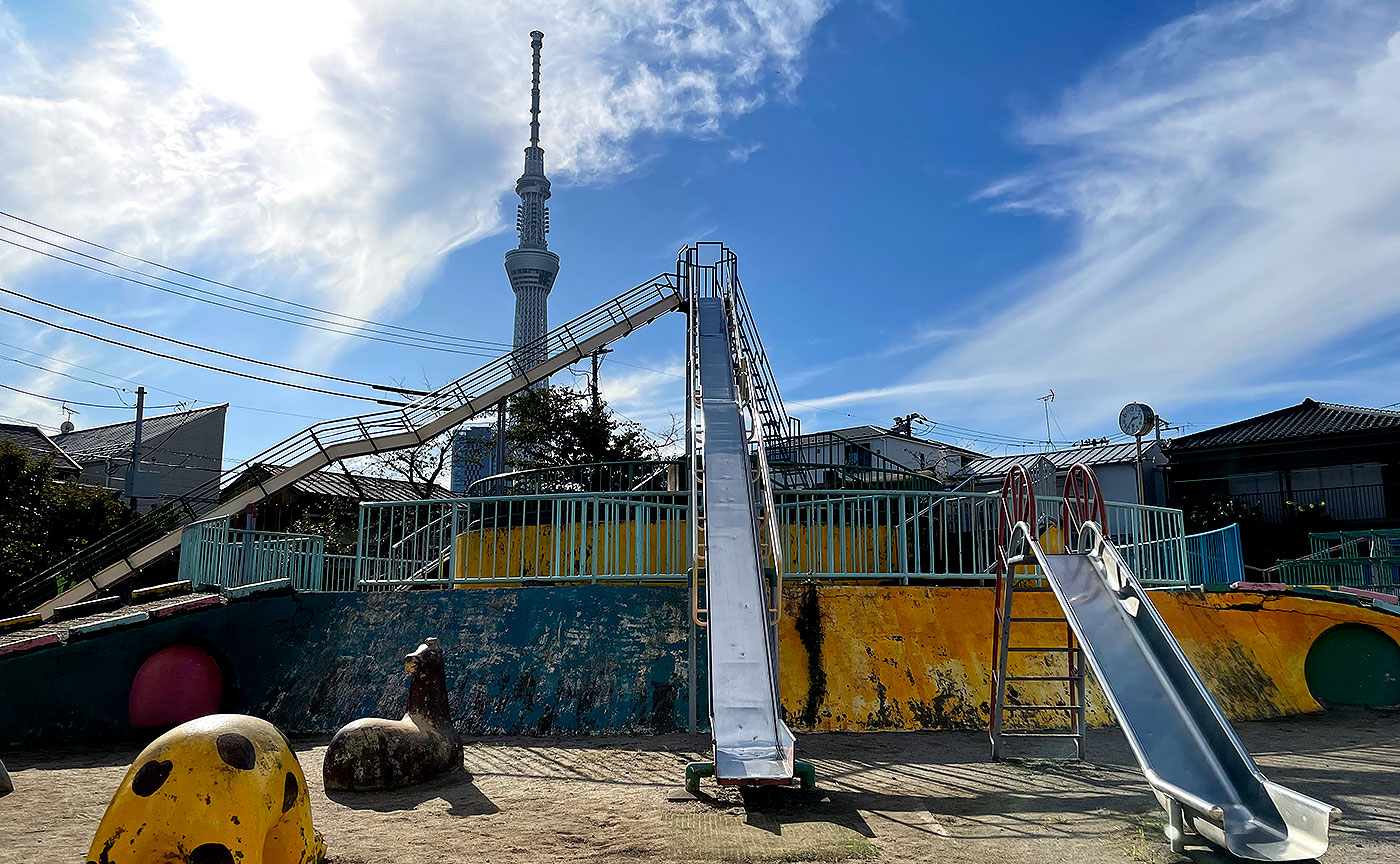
<point x="176" y="685"/>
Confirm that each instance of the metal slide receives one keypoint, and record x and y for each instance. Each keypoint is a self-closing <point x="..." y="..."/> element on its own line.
<point x="113" y="559"/>
<point x="752" y="743"/>
<point x="1193" y="760"/>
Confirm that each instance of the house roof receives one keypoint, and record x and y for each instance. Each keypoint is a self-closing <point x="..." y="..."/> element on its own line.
<point x="1307" y="419"/>
<point x="115" y="439"/>
<point x="867" y="431"/>
<point x="1095" y="454"/>
<point x="33" y="439"/>
<point x="331" y="482"/>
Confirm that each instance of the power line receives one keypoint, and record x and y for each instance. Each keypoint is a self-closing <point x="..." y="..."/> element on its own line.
<point x="74" y="401"/>
<point x="386" y="329"/>
<point x="115" y="389"/>
<point x="200" y="365"/>
<point x="99" y="320"/>
<point x="188" y="399"/>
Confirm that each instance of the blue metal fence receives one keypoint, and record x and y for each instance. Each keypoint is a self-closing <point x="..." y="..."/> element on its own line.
<point x="1214" y="556"/>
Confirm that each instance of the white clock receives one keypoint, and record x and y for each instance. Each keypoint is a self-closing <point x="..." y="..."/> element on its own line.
<point x="1136" y="419"/>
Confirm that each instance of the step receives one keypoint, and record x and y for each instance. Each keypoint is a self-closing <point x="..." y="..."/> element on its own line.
<point x="1041" y="735"/>
<point x="1041" y="707"/>
<point x="1043" y="650"/>
<point x="1038" y="621"/>
<point x="1010" y="678"/>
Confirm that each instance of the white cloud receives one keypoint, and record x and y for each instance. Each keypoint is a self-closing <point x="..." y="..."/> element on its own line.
<point x="339" y="148"/>
<point x="1234" y="191"/>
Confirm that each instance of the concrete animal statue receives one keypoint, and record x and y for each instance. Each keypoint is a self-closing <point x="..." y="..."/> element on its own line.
<point x="373" y="753"/>
<point x="221" y="789"/>
<point x="6" y="787"/>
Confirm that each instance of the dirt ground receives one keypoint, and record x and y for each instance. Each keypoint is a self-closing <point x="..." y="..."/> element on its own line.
<point x="896" y="797"/>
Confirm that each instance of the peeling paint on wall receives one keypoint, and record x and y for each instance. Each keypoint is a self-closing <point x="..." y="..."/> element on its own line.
<point x="613" y="658"/>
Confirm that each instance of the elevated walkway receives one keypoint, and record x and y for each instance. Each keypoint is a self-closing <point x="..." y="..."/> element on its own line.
<point x="108" y="562"/>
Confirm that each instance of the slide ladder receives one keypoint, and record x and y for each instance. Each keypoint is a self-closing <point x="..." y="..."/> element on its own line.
<point x="127" y="551"/>
<point x="1196" y="765"/>
<point x="1059" y="692"/>
<point x="733" y="537"/>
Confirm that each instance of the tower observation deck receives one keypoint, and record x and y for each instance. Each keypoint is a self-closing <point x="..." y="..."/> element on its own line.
<point x="531" y="266"/>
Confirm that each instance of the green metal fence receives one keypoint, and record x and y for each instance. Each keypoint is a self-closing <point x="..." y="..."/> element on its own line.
<point x="900" y="536"/>
<point x="213" y="554"/>
<point x="1354" y="572"/>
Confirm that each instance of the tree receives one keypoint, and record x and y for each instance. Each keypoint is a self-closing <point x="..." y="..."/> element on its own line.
<point x="44" y="520"/>
<point x="556" y="426"/>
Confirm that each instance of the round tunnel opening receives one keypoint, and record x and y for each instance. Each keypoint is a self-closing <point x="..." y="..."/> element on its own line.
<point x="1354" y="664"/>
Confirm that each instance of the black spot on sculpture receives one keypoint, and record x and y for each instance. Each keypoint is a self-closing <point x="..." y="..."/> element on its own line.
<point x="373" y="753"/>
<point x="151" y="777"/>
<point x="211" y="853"/>
<point x="236" y="751"/>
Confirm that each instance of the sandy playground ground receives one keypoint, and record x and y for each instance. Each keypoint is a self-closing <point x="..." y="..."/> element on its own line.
<point x="893" y="797"/>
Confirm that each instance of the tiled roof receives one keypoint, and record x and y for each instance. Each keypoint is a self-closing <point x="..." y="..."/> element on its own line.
<point x="1307" y="419"/>
<point x="331" y="482"/>
<point x="1097" y="454"/>
<point x="33" y="439"/>
<point x="115" y="439"/>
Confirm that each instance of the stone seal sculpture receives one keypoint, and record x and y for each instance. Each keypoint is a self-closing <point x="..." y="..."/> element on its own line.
<point x="222" y="789"/>
<point x="372" y="753"/>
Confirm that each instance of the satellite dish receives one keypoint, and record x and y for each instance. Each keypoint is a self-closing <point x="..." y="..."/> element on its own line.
<point x="66" y="426"/>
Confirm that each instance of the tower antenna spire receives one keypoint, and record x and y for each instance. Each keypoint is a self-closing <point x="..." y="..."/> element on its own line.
<point x="536" y="43"/>
<point x="531" y="266"/>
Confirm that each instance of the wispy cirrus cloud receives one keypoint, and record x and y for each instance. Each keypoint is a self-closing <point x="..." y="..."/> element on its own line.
<point x="1234" y="194"/>
<point x="338" y="149"/>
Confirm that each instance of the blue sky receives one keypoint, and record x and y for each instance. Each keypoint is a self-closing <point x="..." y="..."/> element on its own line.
<point x="941" y="208"/>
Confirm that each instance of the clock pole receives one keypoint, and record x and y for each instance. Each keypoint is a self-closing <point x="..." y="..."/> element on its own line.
<point x="1142" y="499"/>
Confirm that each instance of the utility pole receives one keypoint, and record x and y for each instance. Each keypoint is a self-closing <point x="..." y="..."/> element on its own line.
<point x="500" y="460"/>
<point x="594" y="387"/>
<point x="134" y="468"/>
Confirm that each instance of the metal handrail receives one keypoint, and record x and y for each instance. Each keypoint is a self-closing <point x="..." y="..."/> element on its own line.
<point x="329" y="441"/>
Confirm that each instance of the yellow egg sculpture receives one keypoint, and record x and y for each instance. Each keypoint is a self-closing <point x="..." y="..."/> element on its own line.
<point x="223" y="789"/>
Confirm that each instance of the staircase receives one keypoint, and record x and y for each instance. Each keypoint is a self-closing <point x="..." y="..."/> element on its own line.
<point x="109" y="561"/>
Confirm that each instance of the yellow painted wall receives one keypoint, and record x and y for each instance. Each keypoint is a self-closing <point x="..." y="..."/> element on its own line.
<point x="579" y="548"/>
<point x="921" y="658"/>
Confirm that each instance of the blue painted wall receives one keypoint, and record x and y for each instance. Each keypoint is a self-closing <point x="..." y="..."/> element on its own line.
<point x="576" y="659"/>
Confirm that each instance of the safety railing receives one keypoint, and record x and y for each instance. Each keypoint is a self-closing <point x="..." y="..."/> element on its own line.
<point x="1215" y="557"/>
<point x="1353" y="572"/>
<point x="329" y="441"/>
<point x="214" y="555"/>
<point x="905" y="537"/>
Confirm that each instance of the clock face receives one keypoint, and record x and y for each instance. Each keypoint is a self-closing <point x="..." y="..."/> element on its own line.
<point x="1133" y="419"/>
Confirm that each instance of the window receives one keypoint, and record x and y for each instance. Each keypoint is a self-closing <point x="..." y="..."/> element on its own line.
<point x="858" y="456"/>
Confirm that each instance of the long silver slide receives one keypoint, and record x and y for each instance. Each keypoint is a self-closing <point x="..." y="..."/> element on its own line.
<point x="752" y="743"/>
<point x="1198" y="768"/>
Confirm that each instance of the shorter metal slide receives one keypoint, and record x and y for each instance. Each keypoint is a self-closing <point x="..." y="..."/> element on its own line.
<point x="1193" y="760"/>
<point x="752" y="743"/>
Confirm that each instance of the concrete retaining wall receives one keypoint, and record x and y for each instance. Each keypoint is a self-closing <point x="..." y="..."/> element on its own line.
<point x="599" y="658"/>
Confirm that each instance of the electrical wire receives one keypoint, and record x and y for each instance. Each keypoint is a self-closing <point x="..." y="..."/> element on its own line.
<point x="100" y="320"/>
<point x="200" y="365"/>
<point x="74" y="401"/>
<point x="384" y="329"/>
<point x="188" y="399"/>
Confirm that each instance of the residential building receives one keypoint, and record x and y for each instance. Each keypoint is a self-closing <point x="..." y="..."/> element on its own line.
<point x="322" y="492"/>
<point x="874" y="447"/>
<point x="41" y="446"/>
<point x="1115" y="466"/>
<point x="180" y="452"/>
<point x="1293" y="470"/>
